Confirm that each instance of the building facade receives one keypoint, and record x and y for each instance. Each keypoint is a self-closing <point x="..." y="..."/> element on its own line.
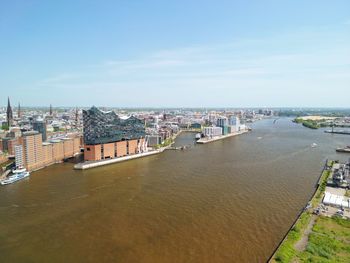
<point x="107" y="136"/>
<point x="40" y="126"/>
<point x="212" y="131"/>
<point x="9" y="113"/>
<point x="222" y="121"/>
<point x="33" y="154"/>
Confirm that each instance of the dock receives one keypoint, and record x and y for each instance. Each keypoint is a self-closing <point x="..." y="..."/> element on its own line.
<point x="93" y="164"/>
<point x="217" y="138"/>
<point x="338" y="132"/>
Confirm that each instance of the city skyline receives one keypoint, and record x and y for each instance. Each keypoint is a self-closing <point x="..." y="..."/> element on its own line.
<point x="175" y="55"/>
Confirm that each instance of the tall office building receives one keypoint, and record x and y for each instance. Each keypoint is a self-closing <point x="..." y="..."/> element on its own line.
<point x="221" y="122"/>
<point x="33" y="151"/>
<point x="40" y="126"/>
<point x="234" y="120"/>
<point x="19" y="156"/>
<point x="235" y="123"/>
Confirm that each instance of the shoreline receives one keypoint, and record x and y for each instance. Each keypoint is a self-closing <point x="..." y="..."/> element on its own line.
<point x="94" y="164"/>
<point x="221" y="137"/>
<point x="303" y="211"/>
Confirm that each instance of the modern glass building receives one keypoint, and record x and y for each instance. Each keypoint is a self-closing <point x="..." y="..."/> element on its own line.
<point x="40" y="126"/>
<point x="105" y="127"/>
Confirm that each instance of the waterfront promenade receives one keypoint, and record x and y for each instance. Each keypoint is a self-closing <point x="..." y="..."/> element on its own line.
<point x="221" y="137"/>
<point x="94" y="164"/>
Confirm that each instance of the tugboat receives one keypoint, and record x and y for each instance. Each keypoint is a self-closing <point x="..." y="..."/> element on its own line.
<point x="346" y="149"/>
<point x="15" y="176"/>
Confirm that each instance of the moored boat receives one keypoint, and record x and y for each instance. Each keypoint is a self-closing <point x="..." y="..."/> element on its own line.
<point x="346" y="149"/>
<point x="16" y="176"/>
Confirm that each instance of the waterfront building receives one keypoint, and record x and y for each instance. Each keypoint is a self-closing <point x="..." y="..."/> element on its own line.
<point x="108" y="136"/>
<point x="154" y="140"/>
<point x="19" y="156"/>
<point x="196" y="125"/>
<point x="235" y="123"/>
<point x="212" y="131"/>
<point x="222" y="121"/>
<point x="39" y="125"/>
<point x="8" y="143"/>
<point x="233" y="120"/>
<point x="33" y="154"/>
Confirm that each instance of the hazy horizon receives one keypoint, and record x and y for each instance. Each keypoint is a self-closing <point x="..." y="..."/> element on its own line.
<point x="152" y="54"/>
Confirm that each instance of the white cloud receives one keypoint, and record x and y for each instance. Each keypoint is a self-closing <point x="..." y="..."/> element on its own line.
<point x="289" y="63"/>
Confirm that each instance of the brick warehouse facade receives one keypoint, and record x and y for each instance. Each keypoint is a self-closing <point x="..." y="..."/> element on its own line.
<point x="107" y="136"/>
<point x="34" y="154"/>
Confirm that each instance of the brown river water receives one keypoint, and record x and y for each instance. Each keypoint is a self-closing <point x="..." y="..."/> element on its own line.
<point x="228" y="201"/>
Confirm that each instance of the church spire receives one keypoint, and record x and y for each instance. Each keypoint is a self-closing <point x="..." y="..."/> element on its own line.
<point x="9" y="114"/>
<point x="19" y="113"/>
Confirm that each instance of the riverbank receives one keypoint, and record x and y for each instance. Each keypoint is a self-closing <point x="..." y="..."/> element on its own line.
<point x="207" y="140"/>
<point x="314" y="237"/>
<point x="206" y="201"/>
<point x="94" y="164"/>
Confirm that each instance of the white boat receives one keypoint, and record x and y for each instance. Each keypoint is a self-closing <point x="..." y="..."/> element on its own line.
<point x="16" y="176"/>
<point x="313" y="145"/>
<point x="20" y="170"/>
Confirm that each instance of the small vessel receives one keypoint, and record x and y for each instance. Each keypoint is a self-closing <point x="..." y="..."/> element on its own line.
<point x="198" y="136"/>
<point x="346" y="149"/>
<point x="20" y="170"/>
<point x="17" y="175"/>
<point x="313" y="145"/>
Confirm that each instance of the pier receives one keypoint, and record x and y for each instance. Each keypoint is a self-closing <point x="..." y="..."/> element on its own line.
<point x="221" y="137"/>
<point x="93" y="164"/>
<point x="338" y="132"/>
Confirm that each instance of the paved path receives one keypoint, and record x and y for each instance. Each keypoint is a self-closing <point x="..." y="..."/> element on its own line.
<point x="302" y="243"/>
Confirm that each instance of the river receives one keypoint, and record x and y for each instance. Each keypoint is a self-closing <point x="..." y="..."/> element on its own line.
<point x="227" y="201"/>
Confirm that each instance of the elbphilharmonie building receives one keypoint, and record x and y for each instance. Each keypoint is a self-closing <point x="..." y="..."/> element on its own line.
<point x="106" y="135"/>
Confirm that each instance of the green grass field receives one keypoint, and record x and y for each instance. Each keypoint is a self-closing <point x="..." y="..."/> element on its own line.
<point x="329" y="240"/>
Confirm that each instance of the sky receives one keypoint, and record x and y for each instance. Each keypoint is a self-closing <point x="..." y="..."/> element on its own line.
<point x="183" y="53"/>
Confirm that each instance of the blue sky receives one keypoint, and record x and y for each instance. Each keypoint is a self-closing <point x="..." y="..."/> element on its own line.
<point x="175" y="53"/>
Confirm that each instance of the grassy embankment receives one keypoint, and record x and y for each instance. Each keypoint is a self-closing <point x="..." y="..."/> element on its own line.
<point x="329" y="240"/>
<point x="312" y="124"/>
<point x="307" y="123"/>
